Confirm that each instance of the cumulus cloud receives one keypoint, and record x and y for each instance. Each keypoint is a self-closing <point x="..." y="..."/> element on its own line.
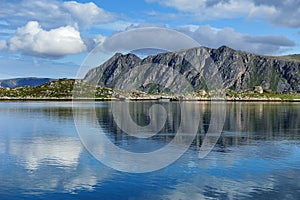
<point x="55" y="43"/>
<point x="282" y="13"/>
<point x="53" y="13"/>
<point x="87" y="14"/>
<point x="212" y="37"/>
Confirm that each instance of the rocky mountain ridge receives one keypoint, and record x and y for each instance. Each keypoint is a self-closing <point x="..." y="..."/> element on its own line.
<point x="198" y="68"/>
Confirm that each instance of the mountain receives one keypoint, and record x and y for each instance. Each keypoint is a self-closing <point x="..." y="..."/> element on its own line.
<point x="198" y="68"/>
<point x="19" y="82"/>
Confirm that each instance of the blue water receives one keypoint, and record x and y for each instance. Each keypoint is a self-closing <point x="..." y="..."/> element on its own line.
<point x="256" y="157"/>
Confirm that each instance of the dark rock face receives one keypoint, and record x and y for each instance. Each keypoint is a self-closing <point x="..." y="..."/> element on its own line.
<point x="198" y="68"/>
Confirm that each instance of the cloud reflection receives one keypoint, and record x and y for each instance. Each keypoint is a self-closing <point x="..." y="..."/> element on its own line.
<point x="53" y="151"/>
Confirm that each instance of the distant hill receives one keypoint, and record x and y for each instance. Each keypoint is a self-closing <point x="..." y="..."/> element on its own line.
<point x="199" y="68"/>
<point x="20" y="82"/>
<point x="294" y="57"/>
<point x="60" y="88"/>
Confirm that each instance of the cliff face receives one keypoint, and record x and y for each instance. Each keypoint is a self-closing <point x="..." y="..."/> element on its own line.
<point x="198" y="68"/>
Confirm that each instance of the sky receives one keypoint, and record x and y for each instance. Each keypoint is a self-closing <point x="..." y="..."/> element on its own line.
<point x="52" y="38"/>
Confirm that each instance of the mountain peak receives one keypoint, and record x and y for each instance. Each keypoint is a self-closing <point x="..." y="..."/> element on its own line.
<point x="117" y="55"/>
<point x="224" y="47"/>
<point x="128" y="55"/>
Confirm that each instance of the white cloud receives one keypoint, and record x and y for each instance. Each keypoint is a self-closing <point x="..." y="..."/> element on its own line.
<point x="278" y="12"/>
<point x="3" y="45"/>
<point x="287" y="12"/>
<point x="204" y="35"/>
<point x="149" y="36"/>
<point x="98" y="39"/>
<point x="33" y="40"/>
<point x="212" y="37"/>
<point x="217" y="9"/>
<point x="53" y="13"/>
<point x="87" y="14"/>
<point x="143" y="36"/>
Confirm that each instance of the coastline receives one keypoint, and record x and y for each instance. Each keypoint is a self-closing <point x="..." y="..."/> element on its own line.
<point x="63" y="90"/>
<point x="166" y="99"/>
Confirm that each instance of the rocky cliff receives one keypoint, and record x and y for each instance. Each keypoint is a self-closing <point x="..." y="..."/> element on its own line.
<point x="198" y="68"/>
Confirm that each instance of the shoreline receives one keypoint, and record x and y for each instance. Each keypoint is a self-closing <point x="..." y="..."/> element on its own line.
<point x="164" y="99"/>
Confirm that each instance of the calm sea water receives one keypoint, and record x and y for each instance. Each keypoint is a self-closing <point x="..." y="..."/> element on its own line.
<point x="256" y="157"/>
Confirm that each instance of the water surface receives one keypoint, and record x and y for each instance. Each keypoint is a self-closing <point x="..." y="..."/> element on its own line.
<point x="256" y="157"/>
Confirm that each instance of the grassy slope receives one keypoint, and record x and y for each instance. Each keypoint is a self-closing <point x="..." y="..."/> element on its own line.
<point x="293" y="57"/>
<point x="62" y="88"/>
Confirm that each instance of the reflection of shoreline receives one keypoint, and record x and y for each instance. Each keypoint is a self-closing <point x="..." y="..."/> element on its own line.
<point x="159" y="98"/>
<point x="245" y="122"/>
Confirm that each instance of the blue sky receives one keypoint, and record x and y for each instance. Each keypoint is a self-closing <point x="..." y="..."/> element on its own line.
<point x="52" y="38"/>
